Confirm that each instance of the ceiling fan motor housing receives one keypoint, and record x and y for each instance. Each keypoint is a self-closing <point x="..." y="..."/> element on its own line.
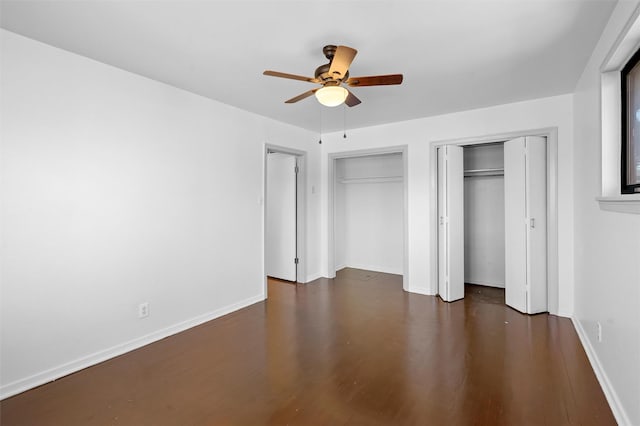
<point x="329" y="51"/>
<point x="322" y="72"/>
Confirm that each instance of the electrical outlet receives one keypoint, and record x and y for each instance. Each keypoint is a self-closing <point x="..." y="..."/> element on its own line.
<point x="599" y="331"/>
<point x="143" y="310"/>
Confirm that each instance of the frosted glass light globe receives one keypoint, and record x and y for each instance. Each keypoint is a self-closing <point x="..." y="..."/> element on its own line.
<point x="332" y="95"/>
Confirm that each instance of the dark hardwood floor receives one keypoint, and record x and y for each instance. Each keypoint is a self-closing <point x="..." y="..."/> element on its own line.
<point x="354" y="350"/>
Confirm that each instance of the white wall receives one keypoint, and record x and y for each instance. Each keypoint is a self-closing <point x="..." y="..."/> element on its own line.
<point x="607" y="249"/>
<point x="484" y="225"/>
<point x="418" y="135"/>
<point x="117" y="189"/>
<point x="369" y="205"/>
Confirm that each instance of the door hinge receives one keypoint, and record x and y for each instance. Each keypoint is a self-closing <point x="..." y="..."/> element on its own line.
<point x="296" y="260"/>
<point x="296" y="169"/>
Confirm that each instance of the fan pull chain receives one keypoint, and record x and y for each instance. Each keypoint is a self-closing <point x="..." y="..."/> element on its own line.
<point x="320" y="140"/>
<point x="344" y="121"/>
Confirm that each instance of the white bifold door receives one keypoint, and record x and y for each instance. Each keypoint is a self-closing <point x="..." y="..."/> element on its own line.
<point x="450" y="223"/>
<point x="281" y="217"/>
<point x="525" y="183"/>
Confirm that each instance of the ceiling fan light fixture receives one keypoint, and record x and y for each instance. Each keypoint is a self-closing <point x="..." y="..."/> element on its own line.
<point x="332" y="96"/>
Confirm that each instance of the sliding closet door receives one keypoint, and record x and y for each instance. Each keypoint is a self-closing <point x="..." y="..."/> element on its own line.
<point x="525" y="224"/>
<point x="450" y="223"/>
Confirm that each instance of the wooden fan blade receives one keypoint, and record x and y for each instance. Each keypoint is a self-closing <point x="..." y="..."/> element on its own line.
<point x="301" y="97"/>
<point x="291" y="76"/>
<point x="375" y="80"/>
<point x="341" y="62"/>
<point x="352" y="100"/>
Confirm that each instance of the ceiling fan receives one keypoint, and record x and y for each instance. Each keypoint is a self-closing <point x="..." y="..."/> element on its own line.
<point x="332" y="75"/>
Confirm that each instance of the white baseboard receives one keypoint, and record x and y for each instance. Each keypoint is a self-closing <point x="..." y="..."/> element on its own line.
<point x="55" y="373"/>
<point x="420" y="290"/>
<point x="374" y="268"/>
<point x="426" y="291"/>
<point x="565" y="314"/>
<point x="609" y="392"/>
<point x="312" y="277"/>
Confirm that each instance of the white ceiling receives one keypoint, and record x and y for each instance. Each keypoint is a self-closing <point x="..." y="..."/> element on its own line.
<point x="455" y="55"/>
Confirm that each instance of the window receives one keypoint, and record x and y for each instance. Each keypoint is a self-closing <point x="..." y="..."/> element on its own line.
<point x="630" y="166"/>
<point x="619" y="181"/>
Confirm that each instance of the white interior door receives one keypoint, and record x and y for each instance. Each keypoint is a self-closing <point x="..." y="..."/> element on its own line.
<point x="525" y="224"/>
<point x="450" y="223"/>
<point x="281" y="217"/>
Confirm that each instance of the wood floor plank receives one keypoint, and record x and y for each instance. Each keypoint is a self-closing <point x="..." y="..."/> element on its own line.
<point x="353" y="350"/>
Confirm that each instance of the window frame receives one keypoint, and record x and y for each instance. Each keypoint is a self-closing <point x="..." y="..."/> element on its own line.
<point x="625" y="186"/>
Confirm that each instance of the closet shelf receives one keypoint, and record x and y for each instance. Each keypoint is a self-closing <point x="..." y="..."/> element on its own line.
<point x="371" y="179"/>
<point x="484" y="172"/>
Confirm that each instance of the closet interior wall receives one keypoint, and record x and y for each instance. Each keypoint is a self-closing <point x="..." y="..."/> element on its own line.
<point x="368" y="209"/>
<point x="484" y="225"/>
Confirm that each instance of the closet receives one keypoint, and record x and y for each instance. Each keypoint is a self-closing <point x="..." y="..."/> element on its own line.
<point x="492" y="213"/>
<point x="484" y="226"/>
<point x="368" y="213"/>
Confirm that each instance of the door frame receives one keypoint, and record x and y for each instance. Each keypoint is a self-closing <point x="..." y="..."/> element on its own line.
<point x="551" y="133"/>
<point x="331" y="183"/>
<point x="301" y="211"/>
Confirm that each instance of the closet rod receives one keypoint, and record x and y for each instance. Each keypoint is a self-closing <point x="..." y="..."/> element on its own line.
<point x="484" y="172"/>
<point x="372" y="179"/>
<point x="499" y="169"/>
<point x="483" y="175"/>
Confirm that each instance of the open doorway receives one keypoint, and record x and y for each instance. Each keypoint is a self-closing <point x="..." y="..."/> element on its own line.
<point x="367" y="211"/>
<point x="484" y="225"/>
<point x="284" y="215"/>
